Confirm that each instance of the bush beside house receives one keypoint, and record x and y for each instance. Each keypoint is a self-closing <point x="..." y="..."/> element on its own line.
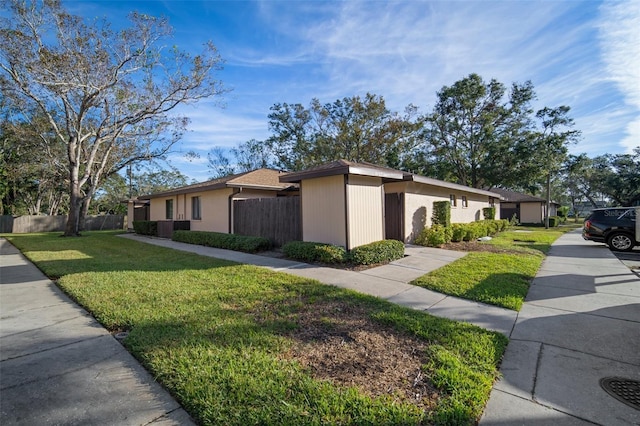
<point x="146" y="227"/>
<point x="438" y="235"/>
<point x="221" y="240"/>
<point x="368" y="254"/>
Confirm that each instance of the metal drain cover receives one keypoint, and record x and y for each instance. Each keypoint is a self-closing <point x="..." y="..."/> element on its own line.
<point x="624" y="390"/>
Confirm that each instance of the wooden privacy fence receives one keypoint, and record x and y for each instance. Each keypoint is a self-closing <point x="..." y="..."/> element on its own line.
<point x="26" y="224"/>
<point x="166" y="227"/>
<point x="275" y="218"/>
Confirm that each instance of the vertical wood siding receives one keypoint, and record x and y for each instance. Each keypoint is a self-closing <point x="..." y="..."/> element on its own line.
<point x="323" y="210"/>
<point x="365" y="198"/>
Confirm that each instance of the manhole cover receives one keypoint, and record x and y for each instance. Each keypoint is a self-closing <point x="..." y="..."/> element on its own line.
<point x="624" y="390"/>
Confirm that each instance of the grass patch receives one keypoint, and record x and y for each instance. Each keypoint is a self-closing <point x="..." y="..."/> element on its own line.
<point x="217" y="335"/>
<point x="531" y="239"/>
<point x="497" y="278"/>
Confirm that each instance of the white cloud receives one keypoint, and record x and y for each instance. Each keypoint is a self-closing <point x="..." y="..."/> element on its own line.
<point x="620" y="43"/>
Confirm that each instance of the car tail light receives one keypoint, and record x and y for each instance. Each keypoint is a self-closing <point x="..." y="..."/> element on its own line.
<point x="587" y="224"/>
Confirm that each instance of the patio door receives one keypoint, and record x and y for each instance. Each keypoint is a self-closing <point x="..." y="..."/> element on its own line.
<point x="394" y="216"/>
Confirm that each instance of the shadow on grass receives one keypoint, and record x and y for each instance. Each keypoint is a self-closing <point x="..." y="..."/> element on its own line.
<point x="104" y="252"/>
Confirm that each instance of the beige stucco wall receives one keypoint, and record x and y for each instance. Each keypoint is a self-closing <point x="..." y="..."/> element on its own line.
<point x="365" y="210"/>
<point x="214" y="207"/>
<point x="157" y="208"/>
<point x="531" y="212"/>
<point x="418" y="205"/>
<point x="214" y="210"/>
<point x="323" y="210"/>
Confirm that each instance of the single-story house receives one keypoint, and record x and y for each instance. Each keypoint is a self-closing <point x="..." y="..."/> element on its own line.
<point x="527" y="208"/>
<point x="351" y="204"/>
<point x="342" y="202"/>
<point x="208" y="206"/>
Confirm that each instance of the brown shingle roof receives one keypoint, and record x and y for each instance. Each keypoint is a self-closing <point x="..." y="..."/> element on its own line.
<point x="267" y="179"/>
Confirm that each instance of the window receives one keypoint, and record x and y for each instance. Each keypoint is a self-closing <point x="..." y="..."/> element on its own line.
<point x="168" y="209"/>
<point x="195" y="208"/>
<point x="464" y="201"/>
<point x="452" y="199"/>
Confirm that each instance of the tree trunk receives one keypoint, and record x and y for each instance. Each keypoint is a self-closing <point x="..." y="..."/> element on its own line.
<point x="548" y="206"/>
<point x="75" y="197"/>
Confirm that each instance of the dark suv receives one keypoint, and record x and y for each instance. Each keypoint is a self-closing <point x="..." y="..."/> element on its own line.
<point x="615" y="226"/>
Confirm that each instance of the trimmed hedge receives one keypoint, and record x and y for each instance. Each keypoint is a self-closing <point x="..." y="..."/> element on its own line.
<point x="438" y="235"/>
<point x="441" y="213"/>
<point x="225" y="241"/>
<point x="146" y="227"/>
<point x="377" y="252"/>
<point x="315" y="252"/>
<point x="489" y="213"/>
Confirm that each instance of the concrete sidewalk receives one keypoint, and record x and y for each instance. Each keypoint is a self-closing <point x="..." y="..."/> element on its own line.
<point x="389" y="282"/>
<point x="580" y="323"/>
<point x="59" y="366"/>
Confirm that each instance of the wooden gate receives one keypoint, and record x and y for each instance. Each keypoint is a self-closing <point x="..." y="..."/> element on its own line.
<point x="275" y="218"/>
<point x="394" y="216"/>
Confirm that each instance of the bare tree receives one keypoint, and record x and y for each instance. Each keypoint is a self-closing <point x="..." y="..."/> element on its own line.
<point x="109" y="96"/>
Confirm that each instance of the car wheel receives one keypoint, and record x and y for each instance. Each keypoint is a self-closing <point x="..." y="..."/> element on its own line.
<point x="619" y="241"/>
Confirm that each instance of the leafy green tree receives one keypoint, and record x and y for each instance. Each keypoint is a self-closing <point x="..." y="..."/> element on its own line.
<point x="478" y="135"/>
<point x="109" y="97"/>
<point x="33" y="178"/>
<point x="618" y="177"/>
<point x="551" y="145"/>
<point x="352" y="128"/>
<point x="579" y="179"/>
<point x="292" y="139"/>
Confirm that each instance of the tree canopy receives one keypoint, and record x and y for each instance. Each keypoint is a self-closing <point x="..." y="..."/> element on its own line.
<point x="107" y="96"/>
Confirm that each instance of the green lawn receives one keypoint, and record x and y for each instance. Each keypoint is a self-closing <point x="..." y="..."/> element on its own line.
<point x="500" y="279"/>
<point x="216" y="333"/>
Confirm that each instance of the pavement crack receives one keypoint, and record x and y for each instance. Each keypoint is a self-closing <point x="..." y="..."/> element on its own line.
<point x="53" y="324"/>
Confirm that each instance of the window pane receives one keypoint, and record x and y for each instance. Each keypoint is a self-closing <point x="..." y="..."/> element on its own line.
<point x="169" y="209"/>
<point x="195" y="208"/>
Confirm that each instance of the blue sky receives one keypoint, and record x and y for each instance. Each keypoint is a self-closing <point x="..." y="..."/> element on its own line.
<point x="585" y="54"/>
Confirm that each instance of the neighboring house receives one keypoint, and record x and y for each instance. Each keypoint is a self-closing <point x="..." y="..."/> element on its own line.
<point x="208" y="206"/>
<point x="136" y="210"/>
<point x="351" y="204"/>
<point x="527" y="208"/>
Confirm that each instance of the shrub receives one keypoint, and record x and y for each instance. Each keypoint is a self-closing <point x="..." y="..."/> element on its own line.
<point x="435" y="236"/>
<point x="563" y="212"/>
<point x="146" y="227"/>
<point x="489" y="213"/>
<point x="475" y="230"/>
<point x="554" y="221"/>
<point x="315" y="252"/>
<point x="377" y="252"/>
<point x="441" y="213"/>
<point x="458" y="231"/>
<point x="225" y="241"/>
